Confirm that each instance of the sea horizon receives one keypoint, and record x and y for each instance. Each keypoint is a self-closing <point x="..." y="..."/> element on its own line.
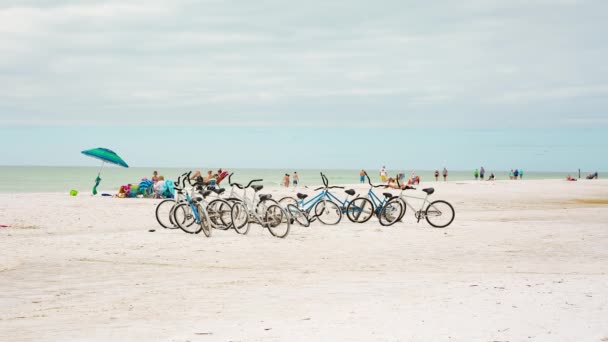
<point x="31" y="179"/>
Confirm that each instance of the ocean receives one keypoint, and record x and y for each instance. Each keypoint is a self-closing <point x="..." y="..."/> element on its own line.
<point x="63" y="179"/>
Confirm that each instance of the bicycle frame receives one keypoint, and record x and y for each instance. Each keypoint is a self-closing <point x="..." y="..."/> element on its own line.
<point x="308" y="205"/>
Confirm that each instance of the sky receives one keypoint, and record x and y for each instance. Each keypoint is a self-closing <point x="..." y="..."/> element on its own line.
<point x="311" y="84"/>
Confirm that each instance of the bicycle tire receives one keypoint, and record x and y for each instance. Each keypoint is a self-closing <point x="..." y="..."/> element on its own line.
<point x="356" y="210"/>
<point x="390" y="212"/>
<point x="437" y="212"/>
<point x="325" y="209"/>
<point x="285" y="201"/>
<point x="160" y="212"/>
<point x="204" y="218"/>
<point x="219" y="212"/>
<point x="183" y="214"/>
<point x="275" y="218"/>
<point x="240" y="218"/>
<point x="404" y="203"/>
<point x="298" y="215"/>
<point x="262" y="206"/>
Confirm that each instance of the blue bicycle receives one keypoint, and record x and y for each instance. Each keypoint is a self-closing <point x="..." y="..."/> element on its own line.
<point x="361" y="209"/>
<point x="325" y="206"/>
<point x="191" y="211"/>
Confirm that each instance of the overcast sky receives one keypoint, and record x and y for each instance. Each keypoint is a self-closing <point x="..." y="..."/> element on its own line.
<point x="453" y="64"/>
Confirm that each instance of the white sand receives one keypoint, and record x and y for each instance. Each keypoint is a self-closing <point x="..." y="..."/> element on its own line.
<point x="523" y="261"/>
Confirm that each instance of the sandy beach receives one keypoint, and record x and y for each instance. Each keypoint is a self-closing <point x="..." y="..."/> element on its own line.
<point x="523" y="261"/>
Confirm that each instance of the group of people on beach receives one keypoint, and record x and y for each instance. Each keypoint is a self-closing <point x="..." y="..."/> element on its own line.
<point x="515" y="173"/>
<point x="480" y="174"/>
<point x="295" y="180"/>
<point x="210" y="178"/>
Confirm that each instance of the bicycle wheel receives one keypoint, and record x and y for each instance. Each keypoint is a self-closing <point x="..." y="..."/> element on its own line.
<point x="390" y="212"/>
<point x="360" y="210"/>
<point x="262" y="206"/>
<point x="184" y="217"/>
<point x="404" y="204"/>
<point x="219" y="214"/>
<point x="164" y="214"/>
<point x="205" y="225"/>
<point x="298" y="215"/>
<point x="328" y="212"/>
<point x="240" y="218"/>
<point x="285" y="201"/>
<point x="277" y="221"/>
<point x="440" y="214"/>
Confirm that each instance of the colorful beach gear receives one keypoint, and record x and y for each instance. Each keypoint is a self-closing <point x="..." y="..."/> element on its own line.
<point x="106" y="156"/>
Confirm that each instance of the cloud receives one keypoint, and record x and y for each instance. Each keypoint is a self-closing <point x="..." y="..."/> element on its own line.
<point x="314" y="63"/>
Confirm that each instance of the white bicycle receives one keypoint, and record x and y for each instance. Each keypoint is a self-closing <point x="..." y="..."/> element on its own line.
<point x="259" y="210"/>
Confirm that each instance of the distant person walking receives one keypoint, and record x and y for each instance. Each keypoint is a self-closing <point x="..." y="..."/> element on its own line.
<point x="286" y="180"/>
<point x="362" y="176"/>
<point x="511" y="174"/>
<point x="436" y="175"/>
<point x="445" y="174"/>
<point x="295" y="178"/>
<point x="521" y="174"/>
<point x="383" y="174"/>
<point x="476" y="174"/>
<point x="515" y="174"/>
<point x="482" y="173"/>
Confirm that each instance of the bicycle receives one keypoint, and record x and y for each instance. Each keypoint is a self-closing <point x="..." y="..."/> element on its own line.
<point x="434" y="212"/>
<point x="218" y="210"/>
<point x="165" y="208"/>
<point x="235" y="197"/>
<point x="192" y="210"/>
<point x="363" y="208"/>
<point x="247" y="210"/>
<point x="323" y="204"/>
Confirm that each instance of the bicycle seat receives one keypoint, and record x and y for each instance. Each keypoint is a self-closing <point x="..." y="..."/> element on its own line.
<point x="351" y="192"/>
<point x="219" y="191"/>
<point x="257" y="188"/>
<point x="265" y="197"/>
<point x="301" y="196"/>
<point x="387" y="194"/>
<point x="197" y="199"/>
<point x="429" y="191"/>
<point x="206" y="193"/>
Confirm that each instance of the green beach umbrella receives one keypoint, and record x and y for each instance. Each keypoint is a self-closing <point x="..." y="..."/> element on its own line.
<point x="106" y="156"/>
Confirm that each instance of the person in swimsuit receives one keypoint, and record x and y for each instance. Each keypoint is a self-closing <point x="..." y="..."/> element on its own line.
<point x="436" y="175"/>
<point x="362" y="177"/>
<point x="286" y="180"/>
<point x="155" y="176"/>
<point x="383" y="174"/>
<point x="445" y="174"/>
<point x="296" y="178"/>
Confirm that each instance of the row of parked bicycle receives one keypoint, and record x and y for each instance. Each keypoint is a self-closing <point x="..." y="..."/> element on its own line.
<point x="198" y="207"/>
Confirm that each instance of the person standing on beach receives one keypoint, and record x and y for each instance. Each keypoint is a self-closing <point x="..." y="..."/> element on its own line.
<point x="436" y="175"/>
<point x="383" y="174"/>
<point x="482" y="173"/>
<point x="155" y="176"/>
<point x="286" y="180"/>
<point x="511" y="174"/>
<point x="362" y="176"/>
<point x="521" y="174"/>
<point x="296" y="179"/>
<point x="476" y="174"/>
<point x="515" y="174"/>
<point x="445" y="174"/>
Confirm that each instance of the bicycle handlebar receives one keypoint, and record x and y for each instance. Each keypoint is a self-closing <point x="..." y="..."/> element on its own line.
<point x="370" y="182"/>
<point x="240" y="186"/>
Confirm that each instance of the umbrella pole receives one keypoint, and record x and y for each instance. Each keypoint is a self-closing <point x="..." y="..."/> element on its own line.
<point x="102" y="164"/>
